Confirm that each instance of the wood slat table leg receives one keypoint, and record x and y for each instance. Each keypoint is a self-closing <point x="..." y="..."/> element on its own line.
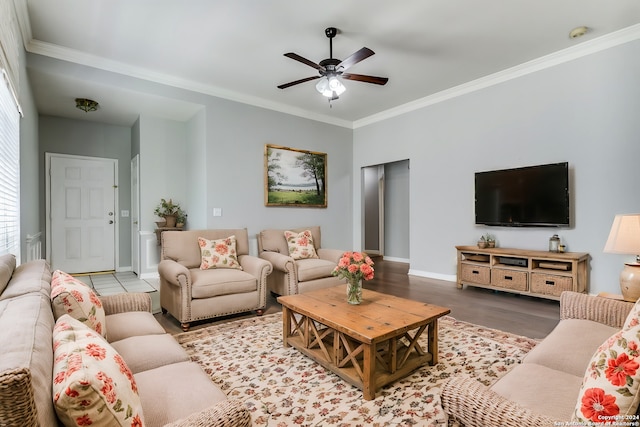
<point x="432" y="339"/>
<point x="369" y="368"/>
<point x="286" y="326"/>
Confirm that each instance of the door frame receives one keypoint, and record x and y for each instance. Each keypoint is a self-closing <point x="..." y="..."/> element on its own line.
<point x="135" y="214"/>
<point x="379" y="169"/>
<point x="47" y="191"/>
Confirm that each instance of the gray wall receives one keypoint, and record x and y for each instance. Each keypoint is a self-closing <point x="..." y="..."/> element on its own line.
<point x="236" y="137"/>
<point x="397" y="205"/>
<point x="584" y="111"/>
<point x="163" y="166"/>
<point x="30" y="206"/>
<point x="82" y="138"/>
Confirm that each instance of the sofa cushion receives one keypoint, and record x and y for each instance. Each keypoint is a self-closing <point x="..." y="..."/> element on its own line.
<point x="71" y="296"/>
<point x="159" y="350"/>
<point x="132" y="324"/>
<point x="611" y="384"/>
<point x="570" y="334"/>
<point x="26" y="361"/>
<point x="541" y="389"/>
<point x="92" y="384"/>
<point x="188" y="390"/>
<point x="311" y="269"/>
<point x="217" y="282"/>
<point x="7" y="265"/>
<point x="219" y="253"/>
<point x="32" y="276"/>
<point x="300" y="244"/>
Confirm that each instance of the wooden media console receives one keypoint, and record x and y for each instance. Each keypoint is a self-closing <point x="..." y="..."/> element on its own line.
<point x="535" y="273"/>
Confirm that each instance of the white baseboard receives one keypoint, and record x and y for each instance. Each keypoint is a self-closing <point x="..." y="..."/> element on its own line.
<point x="429" y="275"/>
<point x="395" y="259"/>
<point x="145" y="276"/>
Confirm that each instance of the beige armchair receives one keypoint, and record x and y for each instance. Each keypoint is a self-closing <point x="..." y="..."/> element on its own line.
<point x="190" y="293"/>
<point x="292" y="276"/>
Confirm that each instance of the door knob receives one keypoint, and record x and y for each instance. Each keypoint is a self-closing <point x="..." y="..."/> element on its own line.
<point x="110" y="213"/>
<point x="110" y="221"/>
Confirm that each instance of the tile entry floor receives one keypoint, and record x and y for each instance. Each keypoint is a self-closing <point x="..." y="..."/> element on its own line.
<point x="117" y="283"/>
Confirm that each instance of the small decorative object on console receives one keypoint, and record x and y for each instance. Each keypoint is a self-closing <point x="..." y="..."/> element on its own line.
<point x="487" y="241"/>
<point x="554" y="243"/>
<point x="355" y="267"/>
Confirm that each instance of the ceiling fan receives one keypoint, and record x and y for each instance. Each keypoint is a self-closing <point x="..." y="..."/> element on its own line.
<point x="331" y="68"/>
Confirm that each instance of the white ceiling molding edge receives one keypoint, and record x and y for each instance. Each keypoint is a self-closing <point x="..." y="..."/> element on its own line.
<point x="583" y="49"/>
<point x="70" y="55"/>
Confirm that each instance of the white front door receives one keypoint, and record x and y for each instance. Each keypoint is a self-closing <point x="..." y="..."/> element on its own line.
<point x="82" y="213"/>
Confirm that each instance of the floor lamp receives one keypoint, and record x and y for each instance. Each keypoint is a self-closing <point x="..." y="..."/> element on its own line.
<point x="624" y="238"/>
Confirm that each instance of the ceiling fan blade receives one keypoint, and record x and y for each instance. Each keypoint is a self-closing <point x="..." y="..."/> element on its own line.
<point x="304" y="60"/>
<point x="366" y="79"/>
<point x="307" y="79"/>
<point x="363" y="53"/>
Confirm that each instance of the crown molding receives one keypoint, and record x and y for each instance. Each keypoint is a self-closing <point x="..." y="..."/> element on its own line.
<point x="560" y="57"/>
<point x="607" y="41"/>
<point x="77" y="57"/>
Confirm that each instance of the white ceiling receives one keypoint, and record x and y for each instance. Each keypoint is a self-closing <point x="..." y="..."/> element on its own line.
<point x="234" y="49"/>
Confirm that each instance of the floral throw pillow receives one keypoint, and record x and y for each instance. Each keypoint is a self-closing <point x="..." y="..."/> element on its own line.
<point x="633" y="318"/>
<point x="219" y="253"/>
<point x="300" y="244"/>
<point x="92" y="384"/>
<point x="70" y="296"/>
<point x="611" y="385"/>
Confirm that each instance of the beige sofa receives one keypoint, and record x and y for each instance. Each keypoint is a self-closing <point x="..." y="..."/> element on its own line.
<point x="543" y="390"/>
<point x="291" y="276"/>
<point x="173" y="391"/>
<point x="189" y="293"/>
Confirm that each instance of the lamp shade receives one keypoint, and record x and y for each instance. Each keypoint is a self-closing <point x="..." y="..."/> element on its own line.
<point x="624" y="237"/>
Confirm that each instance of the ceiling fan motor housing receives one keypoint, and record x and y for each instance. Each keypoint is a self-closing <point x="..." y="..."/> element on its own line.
<point x="331" y="32"/>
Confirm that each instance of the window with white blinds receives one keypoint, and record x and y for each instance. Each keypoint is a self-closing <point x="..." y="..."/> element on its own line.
<point x="9" y="171"/>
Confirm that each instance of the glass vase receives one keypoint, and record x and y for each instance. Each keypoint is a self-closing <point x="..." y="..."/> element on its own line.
<point x="354" y="291"/>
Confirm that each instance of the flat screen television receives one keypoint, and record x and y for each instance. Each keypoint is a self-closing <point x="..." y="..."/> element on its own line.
<point x="532" y="196"/>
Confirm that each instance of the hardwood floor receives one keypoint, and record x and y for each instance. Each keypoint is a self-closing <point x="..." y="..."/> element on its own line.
<point x="518" y="314"/>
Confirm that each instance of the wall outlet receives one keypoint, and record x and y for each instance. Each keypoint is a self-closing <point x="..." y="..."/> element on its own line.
<point x="217" y="211"/>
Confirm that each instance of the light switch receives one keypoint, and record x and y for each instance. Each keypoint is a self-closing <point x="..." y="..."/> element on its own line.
<point x="124" y="214"/>
<point x="217" y="211"/>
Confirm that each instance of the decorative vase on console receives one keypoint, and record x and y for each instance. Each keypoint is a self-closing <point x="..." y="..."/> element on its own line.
<point x="355" y="267"/>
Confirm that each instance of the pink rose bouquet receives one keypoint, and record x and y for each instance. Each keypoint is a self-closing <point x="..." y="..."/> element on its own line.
<point x="354" y="266"/>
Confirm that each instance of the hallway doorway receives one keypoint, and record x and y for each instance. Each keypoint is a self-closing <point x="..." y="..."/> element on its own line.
<point x="385" y="210"/>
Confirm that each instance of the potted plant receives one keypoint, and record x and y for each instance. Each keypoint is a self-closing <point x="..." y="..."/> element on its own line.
<point x="169" y="211"/>
<point x="181" y="218"/>
<point x="491" y="241"/>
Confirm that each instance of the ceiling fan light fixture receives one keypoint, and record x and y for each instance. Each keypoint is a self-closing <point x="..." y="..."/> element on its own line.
<point x="86" y="105"/>
<point x="330" y="87"/>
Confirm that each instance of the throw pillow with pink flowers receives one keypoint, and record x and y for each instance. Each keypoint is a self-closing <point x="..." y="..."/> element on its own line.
<point x="611" y="386"/>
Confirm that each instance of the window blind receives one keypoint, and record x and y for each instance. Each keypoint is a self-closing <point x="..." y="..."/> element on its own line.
<point x="9" y="171"/>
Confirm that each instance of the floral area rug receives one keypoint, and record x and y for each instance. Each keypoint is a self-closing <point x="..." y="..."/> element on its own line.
<point x="282" y="387"/>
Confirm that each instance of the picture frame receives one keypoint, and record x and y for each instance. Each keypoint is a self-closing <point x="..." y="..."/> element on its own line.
<point x="294" y="177"/>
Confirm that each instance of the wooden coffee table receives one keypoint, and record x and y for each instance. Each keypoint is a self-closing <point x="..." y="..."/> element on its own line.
<point x="368" y="345"/>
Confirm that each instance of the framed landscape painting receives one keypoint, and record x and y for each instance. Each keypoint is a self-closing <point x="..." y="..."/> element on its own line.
<point x="294" y="177"/>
